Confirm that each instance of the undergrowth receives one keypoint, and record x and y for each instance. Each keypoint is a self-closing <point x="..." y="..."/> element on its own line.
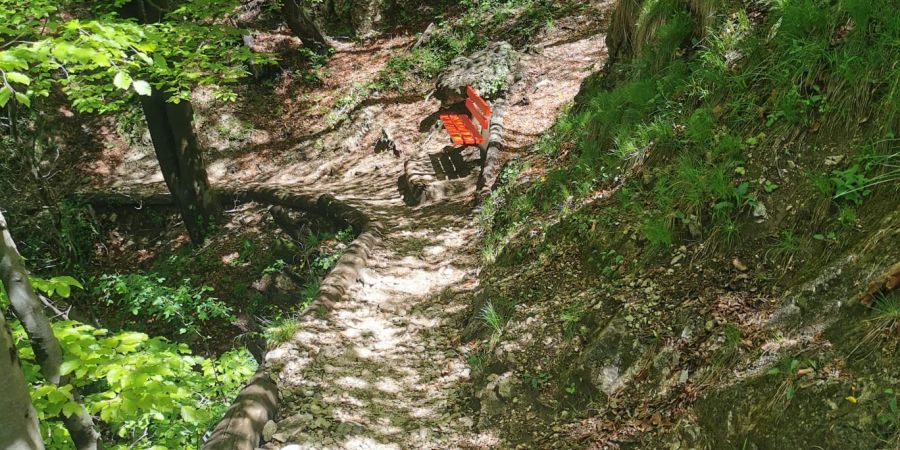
<point x="704" y="107"/>
<point x="183" y="308"/>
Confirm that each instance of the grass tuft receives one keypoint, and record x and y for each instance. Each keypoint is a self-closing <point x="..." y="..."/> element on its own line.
<point x="492" y="320"/>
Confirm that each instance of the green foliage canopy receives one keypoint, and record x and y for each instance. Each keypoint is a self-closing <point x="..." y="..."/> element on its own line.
<point x="100" y="59"/>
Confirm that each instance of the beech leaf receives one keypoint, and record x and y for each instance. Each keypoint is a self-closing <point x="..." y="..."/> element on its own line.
<point x="122" y="80"/>
<point x="142" y="87"/>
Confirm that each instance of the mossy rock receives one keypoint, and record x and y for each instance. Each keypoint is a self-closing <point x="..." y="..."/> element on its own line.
<point x="490" y="71"/>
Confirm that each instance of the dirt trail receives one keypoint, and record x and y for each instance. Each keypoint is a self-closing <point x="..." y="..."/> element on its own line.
<point x="380" y="370"/>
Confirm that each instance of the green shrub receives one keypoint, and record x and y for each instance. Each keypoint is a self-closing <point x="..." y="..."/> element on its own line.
<point x="184" y="307"/>
<point x="850" y="185"/>
<point x="657" y="232"/>
<point x="147" y="392"/>
<point x="281" y="330"/>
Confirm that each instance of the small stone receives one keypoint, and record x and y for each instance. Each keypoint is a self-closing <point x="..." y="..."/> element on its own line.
<point x="738" y="264"/>
<point x="760" y="211"/>
<point x="301" y="418"/>
<point x="269" y="430"/>
<point x="834" y="160"/>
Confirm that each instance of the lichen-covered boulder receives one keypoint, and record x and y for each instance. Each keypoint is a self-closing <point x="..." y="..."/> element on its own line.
<point x="490" y="71"/>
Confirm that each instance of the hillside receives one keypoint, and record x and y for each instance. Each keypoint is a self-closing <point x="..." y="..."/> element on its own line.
<point x="702" y="253"/>
<point x="246" y="224"/>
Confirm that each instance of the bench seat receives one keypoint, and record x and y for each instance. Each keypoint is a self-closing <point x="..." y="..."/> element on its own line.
<point x="461" y="129"/>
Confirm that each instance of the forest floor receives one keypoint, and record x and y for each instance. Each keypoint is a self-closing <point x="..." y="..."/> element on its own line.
<point x="385" y="368"/>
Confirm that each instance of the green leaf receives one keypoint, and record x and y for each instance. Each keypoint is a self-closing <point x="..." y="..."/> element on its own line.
<point x="63" y="290"/>
<point x="192" y="415"/>
<point x="101" y="60"/>
<point x="23" y="99"/>
<point x="18" y="77"/>
<point x="68" y="281"/>
<point x="142" y="87"/>
<point x="70" y="409"/>
<point x="144" y="57"/>
<point x="122" y="80"/>
<point x="5" y="93"/>
<point x="159" y="61"/>
<point x="68" y="366"/>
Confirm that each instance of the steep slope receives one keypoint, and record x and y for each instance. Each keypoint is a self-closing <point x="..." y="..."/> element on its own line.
<point x="702" y="254"/>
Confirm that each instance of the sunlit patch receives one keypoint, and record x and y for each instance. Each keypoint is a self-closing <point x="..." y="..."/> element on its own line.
<point x="386" y="429"/>
<point x="362" y="352"/>
<point x="363" y="442"/>
<point x="352" y="382"/>
<point x="388" y="385"/>
<point x="425" y="322"/>
<point x="377" y="295"/>
<point x="343" y="412"/>
<point x="422" y="412"/>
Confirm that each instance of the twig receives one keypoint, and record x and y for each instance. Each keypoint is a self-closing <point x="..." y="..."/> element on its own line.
<point x="141" y="438"/>
<point x="49" y="304"/>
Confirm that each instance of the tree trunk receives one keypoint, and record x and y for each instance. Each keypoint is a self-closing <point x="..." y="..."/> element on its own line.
<point x="172" y="133"/>
<point x="19" y="429"/>
<point x="29" y="310"/>
<point x="299" y="20"/>
<point x="174" y="141"/>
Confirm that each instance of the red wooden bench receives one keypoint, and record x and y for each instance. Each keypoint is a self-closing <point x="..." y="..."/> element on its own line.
<point x="462" y="130"/>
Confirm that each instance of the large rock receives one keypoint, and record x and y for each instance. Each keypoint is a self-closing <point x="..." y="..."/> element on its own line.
<point x="363" y="16"/>
<point x="494" y="397"/>
<point x="490" y="71"/>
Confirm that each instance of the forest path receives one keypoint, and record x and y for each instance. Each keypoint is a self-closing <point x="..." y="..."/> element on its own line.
<point x="381" y="369"/>
<point x="384" y="368"/>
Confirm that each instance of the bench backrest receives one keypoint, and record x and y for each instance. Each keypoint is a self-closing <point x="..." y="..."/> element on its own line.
<point x="478" y="108"/>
